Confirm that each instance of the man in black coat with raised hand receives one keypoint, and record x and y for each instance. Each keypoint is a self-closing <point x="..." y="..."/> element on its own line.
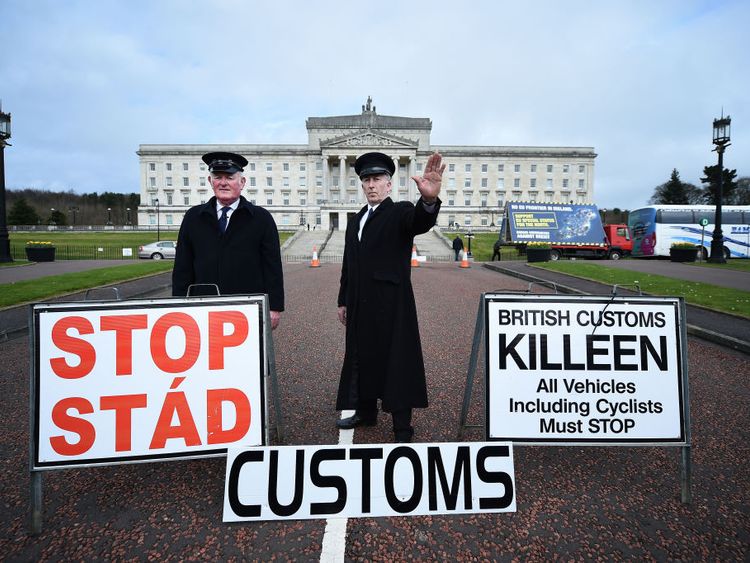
<point x="383" y="358"/>
<point x="228" y="241"/>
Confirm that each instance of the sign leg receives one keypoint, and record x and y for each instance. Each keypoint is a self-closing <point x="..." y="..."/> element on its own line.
<point x="686" y="475"/>
<point x="476" y="343"/>
<point x="36" y="503"/>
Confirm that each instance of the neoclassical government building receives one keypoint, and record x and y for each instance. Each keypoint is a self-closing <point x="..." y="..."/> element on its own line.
<point x="315" y="184"/>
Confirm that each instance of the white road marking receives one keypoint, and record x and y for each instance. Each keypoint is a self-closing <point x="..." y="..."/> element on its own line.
<point x="334" y="538"/>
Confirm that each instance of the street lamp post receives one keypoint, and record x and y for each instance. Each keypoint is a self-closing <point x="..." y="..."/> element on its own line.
<point x="158" y="225"/>
<point x="52" y="216"/>
<point x="73" y="209"/>
<point x="4" y="136"/>
<point x="721" y="140"/>
<point x="127" y="222"/>
<point x="109" y="215"/>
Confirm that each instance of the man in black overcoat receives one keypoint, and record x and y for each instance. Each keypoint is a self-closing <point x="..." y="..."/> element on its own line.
<point x="458" y="246"/>
<point x="229" y="242"/>
<point x="383" y="358"/>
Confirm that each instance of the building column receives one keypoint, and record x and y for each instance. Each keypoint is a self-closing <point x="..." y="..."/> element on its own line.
<point x="394" y="180"/>
<point x="342" y="178"/>
<point x="326" y="174"/>
<point x="411" y="187"/>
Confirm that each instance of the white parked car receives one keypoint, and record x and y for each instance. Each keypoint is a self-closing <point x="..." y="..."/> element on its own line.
<point x="158" y="250"/>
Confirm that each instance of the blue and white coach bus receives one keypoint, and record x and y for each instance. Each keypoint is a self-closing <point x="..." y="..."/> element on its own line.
<point x="656" y="227"/>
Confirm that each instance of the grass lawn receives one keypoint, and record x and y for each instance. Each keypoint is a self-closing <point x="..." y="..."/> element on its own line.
<point x="481" y="246"/>
<point x="31" y="291"/>
<point x="710" y="296"/>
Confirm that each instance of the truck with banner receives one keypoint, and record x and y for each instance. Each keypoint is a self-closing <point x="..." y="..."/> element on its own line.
<point x="572" y="230"/>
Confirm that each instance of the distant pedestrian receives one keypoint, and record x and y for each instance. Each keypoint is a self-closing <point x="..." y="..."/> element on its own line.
<point x="496" y="250"/>
<point x="458" y="246"/>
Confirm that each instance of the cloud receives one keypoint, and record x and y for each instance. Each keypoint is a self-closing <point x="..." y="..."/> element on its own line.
<point x="639" y="81"/>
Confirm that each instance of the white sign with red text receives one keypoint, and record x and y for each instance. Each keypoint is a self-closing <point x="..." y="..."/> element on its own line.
<point x="147" y="380"/>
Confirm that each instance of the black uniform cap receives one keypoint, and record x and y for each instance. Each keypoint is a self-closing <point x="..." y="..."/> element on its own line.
<point x="372" y="163"/>
<point x="228" y="162"/>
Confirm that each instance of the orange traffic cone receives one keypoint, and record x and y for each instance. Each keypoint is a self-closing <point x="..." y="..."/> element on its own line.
<point x="315" y="262"/>
<point x="414" y="261"/>
<point x="465" y="259"/>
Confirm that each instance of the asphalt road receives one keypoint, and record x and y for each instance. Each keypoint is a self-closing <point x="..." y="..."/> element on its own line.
<point x="574" y="503"/>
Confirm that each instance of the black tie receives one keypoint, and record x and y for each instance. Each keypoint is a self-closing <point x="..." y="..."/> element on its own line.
<point x="223" y="219"/>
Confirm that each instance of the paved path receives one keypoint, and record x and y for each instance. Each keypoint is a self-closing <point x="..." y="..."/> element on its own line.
<point x="11" y="274"/>
<point x="574" y="503"/>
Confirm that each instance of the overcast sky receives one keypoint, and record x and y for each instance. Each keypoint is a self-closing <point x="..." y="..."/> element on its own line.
<point x="86" y="82"/>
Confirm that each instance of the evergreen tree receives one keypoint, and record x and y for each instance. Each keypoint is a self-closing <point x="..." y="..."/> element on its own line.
<point x="672" y="192"/>
<point x="741" y="195"/>
<point x="21" y="213"/>
<point x="711" y="191"/>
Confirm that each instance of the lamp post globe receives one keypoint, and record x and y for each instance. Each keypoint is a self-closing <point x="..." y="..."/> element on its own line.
<point x="721" y="138"/>
<point x="4" y="136"/>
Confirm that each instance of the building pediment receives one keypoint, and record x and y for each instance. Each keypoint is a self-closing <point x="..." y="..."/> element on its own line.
<point x="368" y="139"/>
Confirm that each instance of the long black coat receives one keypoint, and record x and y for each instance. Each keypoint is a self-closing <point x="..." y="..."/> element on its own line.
<point x="245" y="259"/>
<point x="383" y="356"/>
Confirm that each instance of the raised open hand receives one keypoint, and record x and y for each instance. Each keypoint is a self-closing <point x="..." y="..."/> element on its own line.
<point x="429" y="183"/>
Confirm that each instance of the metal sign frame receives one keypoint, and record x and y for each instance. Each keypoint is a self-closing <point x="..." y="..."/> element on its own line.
<point x="684" y="441"/>
<point x="267" y="368"/>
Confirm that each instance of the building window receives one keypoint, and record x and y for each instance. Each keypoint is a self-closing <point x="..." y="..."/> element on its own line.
<point x="285" y="181"/>
<point x="581" y="168"/>
<point x="169" y="166"/>
<point x="451" y="220"/>
<point x="451" y="168"/>
<point x="549" y="183"/>
<point x="186" y="200"/>
<point x="467" y="220"/>
<point x="153" y="181"/>
<point x="566" y="168"/>
<point x="202" y="166"/>
<point x="169" y="180"/>
<point x="484" y="182"/>
<point x="532" y="183"/>
<point x="516" y="168"/>
<point x="286" y="198"/>
<point x="467" y="199"/>
<point x="501" y="167"/>
<point x="565" y="183"/>
<point x="302" y="167"/>
<point x="419" y="166"/>
<point x="169" y="199"/>
<point x="516" y="182"/>
<point x="185" y="182"/>
<point x="302" y="181"/>
<point x="269" y="198"/>
<point x="152" y="166"/>
<point x="252" y="181"/>
<point x="269" y="166"/>
<point x="303" y="198"/>
<point x="252" y="167"/>
<point x="468" y="168"/>
<point x="352" y="182"/>
<point x="500" y="201"/>
<point x="483" y="200"/>
<point x="549" y="169"/>
<point x="467" y="183"/>
<point x="269" y="181"/>
<point x="581" y="184"/>
<point x="501" y="183"/>
<point x="336" y="180"/>
<point x="185" y="166"/>
<point x="169" y="219"/>
<point x="319" y="165"/>
<point x="451" y="199"/>
<point x="484" y="220"/>
<point x="484" y="169"/>
<point x="533" y="167"/>
<point x="203" y="181"/>
<point x="319" y="181"/>
<point x="286" y="167"/>
<point x="451" y="183"/>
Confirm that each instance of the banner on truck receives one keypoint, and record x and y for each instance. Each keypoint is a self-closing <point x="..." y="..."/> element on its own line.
<point x="555" y="223"/>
